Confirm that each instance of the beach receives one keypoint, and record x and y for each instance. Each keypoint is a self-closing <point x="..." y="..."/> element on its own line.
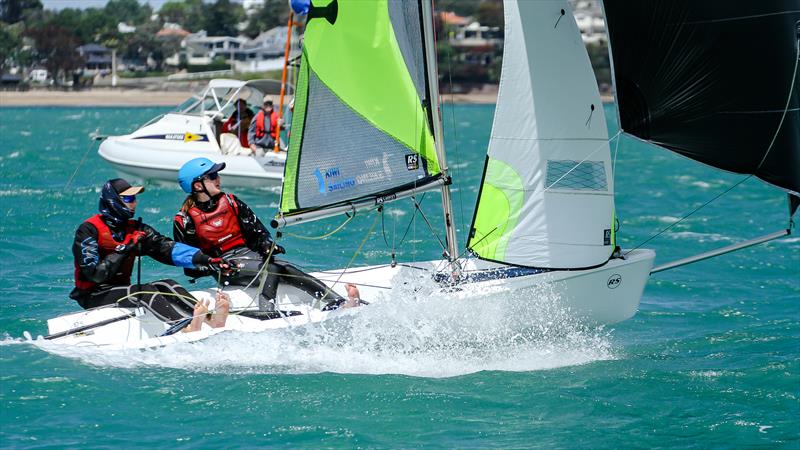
<point x="94" y="97"/>
<point x="142" y="97"/>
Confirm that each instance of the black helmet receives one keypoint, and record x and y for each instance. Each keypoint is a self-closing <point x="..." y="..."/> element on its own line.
<point x="111" y="206"/>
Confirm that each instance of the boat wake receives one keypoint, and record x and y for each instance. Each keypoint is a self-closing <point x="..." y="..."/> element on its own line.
<point x="427" y="334"/>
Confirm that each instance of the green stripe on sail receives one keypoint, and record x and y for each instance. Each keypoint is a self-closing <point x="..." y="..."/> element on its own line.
<point x="498" y="211"/>
<point x="288" y="200"/>
<point x="358" y="58"/>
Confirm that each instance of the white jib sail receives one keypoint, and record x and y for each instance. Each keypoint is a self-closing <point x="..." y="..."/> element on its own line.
<point x="547" y="194"/>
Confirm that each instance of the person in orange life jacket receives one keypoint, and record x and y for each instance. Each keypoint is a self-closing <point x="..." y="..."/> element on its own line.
<point x="239" y="122"/>
<point x="222" y="225"/>
<point x="262" y="132"/>
<point x="104" y="251"/>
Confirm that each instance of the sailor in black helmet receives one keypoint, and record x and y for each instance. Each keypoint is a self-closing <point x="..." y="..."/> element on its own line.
<point x="106" y="246"/>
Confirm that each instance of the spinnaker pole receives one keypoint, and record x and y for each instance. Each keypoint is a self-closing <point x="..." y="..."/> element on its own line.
<point x="438" y="135"/>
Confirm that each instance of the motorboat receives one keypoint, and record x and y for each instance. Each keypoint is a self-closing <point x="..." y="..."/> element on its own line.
<point x="156" y="150"/>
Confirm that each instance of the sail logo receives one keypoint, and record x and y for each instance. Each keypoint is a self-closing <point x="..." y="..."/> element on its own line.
<point x="331" y="180"/>
<point x="412" y="161"/>
<point x="614" y="281"/>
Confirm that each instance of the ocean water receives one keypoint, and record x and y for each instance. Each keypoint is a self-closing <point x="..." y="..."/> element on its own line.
<point x="712" y="359"/>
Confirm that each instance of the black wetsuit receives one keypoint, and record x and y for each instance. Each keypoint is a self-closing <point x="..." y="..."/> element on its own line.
<point x="258" y="243"/>
<point x="103" y="277"/>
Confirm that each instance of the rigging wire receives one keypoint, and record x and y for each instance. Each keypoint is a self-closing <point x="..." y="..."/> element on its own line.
<point x="769" y="149"/>
<point x="688" y="215"/>
<point x="94" y="137"/>
<point x="456" y="152"/>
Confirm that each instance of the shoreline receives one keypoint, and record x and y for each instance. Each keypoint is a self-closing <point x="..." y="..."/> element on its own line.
<point x="142" y="97"/>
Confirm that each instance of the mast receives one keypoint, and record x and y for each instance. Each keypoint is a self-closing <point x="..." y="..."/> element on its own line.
<point x="433" y="92"/>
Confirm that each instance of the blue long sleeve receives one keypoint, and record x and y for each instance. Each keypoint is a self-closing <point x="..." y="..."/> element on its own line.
<point x="182" y="255"/>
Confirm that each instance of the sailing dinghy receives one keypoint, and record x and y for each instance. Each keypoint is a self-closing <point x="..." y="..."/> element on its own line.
<point x="544" y="216"/>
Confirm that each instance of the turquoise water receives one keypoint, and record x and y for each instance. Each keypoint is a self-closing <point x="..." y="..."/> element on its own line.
<point x="711" y="359"/>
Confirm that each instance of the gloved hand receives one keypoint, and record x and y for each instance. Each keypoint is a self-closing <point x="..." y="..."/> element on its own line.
<point x="220" y="262"/>
<point x="200" y="259"/>
<point x="125" y="249"/>
<point x="278" y="249"/>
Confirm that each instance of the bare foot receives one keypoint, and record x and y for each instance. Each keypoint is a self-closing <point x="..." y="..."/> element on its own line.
<point x="198" y="316"/>
<point x="221" y="309"/>
<point x="353" y="296"/>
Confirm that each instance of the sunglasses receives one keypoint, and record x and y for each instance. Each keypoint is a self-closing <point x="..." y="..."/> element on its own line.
<point x="128" y="198"/>
<point x="211" y="176"/>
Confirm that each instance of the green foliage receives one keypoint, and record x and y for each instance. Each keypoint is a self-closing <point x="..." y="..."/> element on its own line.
<point x="273" y="14"/>
<point x="490" y="13"/>
<point x="55" y="47"/>
<point x="222" y="17"/>
<point x="188" y="13"/>
<point x="10" y="41"/>
<point x="13" y="11"/>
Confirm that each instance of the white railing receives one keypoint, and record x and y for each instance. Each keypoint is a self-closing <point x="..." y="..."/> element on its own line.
<point x="199" y="75"/>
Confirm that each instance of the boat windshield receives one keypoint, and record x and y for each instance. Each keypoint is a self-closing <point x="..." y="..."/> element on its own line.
<point x="220" y="99"/>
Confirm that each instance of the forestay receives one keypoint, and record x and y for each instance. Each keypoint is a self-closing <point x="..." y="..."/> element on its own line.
<point x="546" y="198"/>
<point x="361" y="126"/>
<point x="715" y="81"/>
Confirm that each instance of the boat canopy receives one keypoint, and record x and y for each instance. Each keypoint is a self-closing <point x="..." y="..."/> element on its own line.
<point x="715" y="81"/>
<point x="547" y="195"/>
<point x="361" y="127"/>
<point x="219" y="96"/>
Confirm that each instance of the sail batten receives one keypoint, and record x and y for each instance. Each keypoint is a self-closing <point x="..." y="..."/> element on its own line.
<point x="546" y="197"/>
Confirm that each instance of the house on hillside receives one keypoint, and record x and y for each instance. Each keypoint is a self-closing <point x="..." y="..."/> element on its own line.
<point x="477" y="44"/>
<point x="263" y="53"/>
<point x="97" y="58"/>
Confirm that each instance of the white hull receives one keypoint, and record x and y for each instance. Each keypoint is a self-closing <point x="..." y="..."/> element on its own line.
<point x="140" y="157"/>
<point x="602" y="295"/>
<point x="158" y="149"/>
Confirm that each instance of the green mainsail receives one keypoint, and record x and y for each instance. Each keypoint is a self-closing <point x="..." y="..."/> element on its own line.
<point x="361" y="124"/>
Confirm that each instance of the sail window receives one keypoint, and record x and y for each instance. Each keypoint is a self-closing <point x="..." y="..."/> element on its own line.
<point x="576" y="175"/>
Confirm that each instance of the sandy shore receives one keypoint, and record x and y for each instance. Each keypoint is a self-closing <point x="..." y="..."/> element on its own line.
<point x="95" y="97"/>
<point x="138" y="97"/>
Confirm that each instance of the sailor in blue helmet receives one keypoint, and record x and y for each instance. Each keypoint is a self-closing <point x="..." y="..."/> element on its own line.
<point x="106" y="246"/>
<point x="222" y="225"/>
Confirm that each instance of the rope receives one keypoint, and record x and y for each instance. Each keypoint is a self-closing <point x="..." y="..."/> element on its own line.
<point x="83" y="159"/>
<point x="314" y="238"/>
<point x="353" y="258"/>
<point x="688" y="215"/>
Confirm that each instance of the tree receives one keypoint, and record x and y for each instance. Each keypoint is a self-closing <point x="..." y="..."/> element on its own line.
<point x="128" y="11"/>
<point x="55" y="48"/>
<point x="222" y="17"/>
<point x="10" y="42"/>
<point x="188" y="13"/>
<point x="273" y="13"/>
<point x="490" y="13"/>
<point x="13" y="11"/>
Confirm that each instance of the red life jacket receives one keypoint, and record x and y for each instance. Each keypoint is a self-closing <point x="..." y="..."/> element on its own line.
<point x="107" y="244"/>
<point x="218" y="231"/>
<point x="261" y="128"/>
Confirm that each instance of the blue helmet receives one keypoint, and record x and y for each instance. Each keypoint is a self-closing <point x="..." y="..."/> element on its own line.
<point x="195" y="169"/>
